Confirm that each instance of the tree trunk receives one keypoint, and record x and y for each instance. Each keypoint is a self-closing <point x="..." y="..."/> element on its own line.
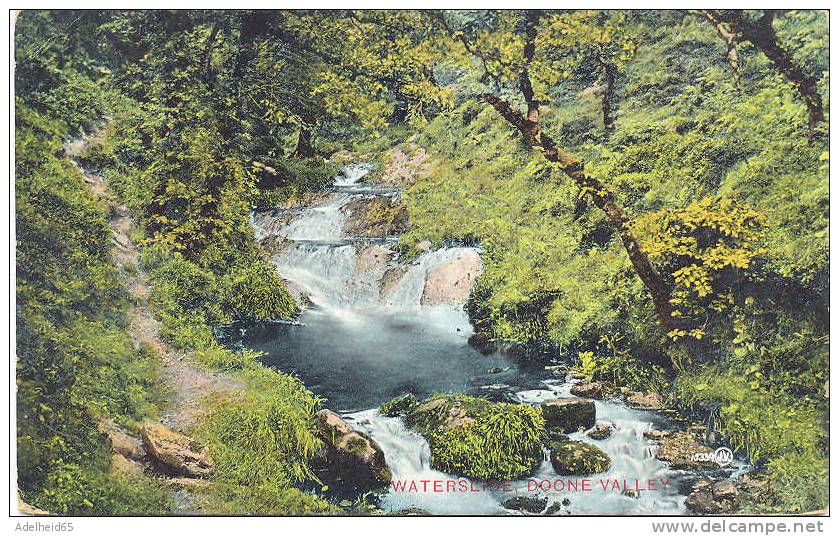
<point x="608" y="96"/>
<point x="304" y="147"/>
<point x="762" y="36"/>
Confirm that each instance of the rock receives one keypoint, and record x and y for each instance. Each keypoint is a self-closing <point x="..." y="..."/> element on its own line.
<point x="375" y="217"/>
<point x="352" y="458"/>
<point x="579" y="458"/>
<point x="556" y="437"/>
<point x="451" y="282"/>
<point x="371" y="257"/>
<point x="390" y="279"/>
<point x="601" y="430"/>
<point x="423" y="246"/>
<point x="639" y="400"/>
<point x="399" y="407"/>
<point x="712" y="498"/>
<point x="702" y="502"/>
<point x="554" y="508"/>
<point x="724" y="489"/>
<point x="126" y="445"/>
<point x="587" y="390"/>
<point x="450" y="422"/>
<point x="412" y="512"/>
<point x="656" y="435"/>
<point x="124" y="466"/>
<point x="568" y="414"/>
<point x="678" y="449"/>
<point x="403" y="170"/>
<point x="176" y="452"/>
<point x="533" y="505"/>
<point x="29" y="510"/>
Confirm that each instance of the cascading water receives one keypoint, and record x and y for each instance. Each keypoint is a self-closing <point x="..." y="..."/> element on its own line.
<point x="359" y="346"/>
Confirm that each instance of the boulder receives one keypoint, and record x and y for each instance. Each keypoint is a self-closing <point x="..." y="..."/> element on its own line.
<point x="451" y="282"/>
<point x="568" y="414"/>
<point x="352" y="458"/>
<point x="124" y="466"/>
<point x="601" y="430"/>
<point x="126" y="445"/>
<point x="532" y="505"/>
<point x="554" y="508"/>
<point x="390" y="279"/>
<point x="678" y="449"/>
<point x="451" y="422"/>
<point x="651" y="401"/>
<point x="375" y="217"/>
<point x="713" y="498"/>
<point x="174" y="452"/>
<point x="579" y="458"/>
<point x="587" y="390"/>
<point x="405" y="166"/>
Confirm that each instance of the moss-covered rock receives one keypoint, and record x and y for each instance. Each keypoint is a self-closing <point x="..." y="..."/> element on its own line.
<point x="476" y="438"/>
<point x="578" y="458"/>
<point x="399" y="406"/>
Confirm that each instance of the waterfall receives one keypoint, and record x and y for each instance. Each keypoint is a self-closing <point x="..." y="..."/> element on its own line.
<point x="361" y="344"/>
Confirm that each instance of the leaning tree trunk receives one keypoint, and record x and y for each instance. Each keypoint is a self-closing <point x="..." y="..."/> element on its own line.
<point x="602" y="198"/>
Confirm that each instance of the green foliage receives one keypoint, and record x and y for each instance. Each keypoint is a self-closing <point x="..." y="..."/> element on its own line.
<point x="262" y="441"/>
<point x="615" y="368"/>
<point x="497" y="440"/>
<point x="76" y="365"/>
<point x="72" y="490"/>
<point x="255" y="294"/>
<point x="399" y="406"/>
<point x="762" y="423"/>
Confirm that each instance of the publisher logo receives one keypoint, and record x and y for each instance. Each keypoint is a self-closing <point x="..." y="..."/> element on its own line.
<point x="722" y="456"/>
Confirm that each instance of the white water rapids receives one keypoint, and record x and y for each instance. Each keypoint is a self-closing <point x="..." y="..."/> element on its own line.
<point x="359" y="348"/>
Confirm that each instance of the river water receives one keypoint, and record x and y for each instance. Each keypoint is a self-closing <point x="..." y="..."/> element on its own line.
<point x="358" y="348"/>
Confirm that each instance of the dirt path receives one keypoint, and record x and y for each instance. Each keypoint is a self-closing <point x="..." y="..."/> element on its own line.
<point x="188" y="384"/>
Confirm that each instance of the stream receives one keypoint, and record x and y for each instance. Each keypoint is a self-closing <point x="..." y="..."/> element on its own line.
<point x="358" y="346"/>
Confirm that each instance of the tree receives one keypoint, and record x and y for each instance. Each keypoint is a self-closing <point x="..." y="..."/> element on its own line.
<point x="570" y="40"/>
<point x="760" y="32"/>
<point x="517" y="50"/>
